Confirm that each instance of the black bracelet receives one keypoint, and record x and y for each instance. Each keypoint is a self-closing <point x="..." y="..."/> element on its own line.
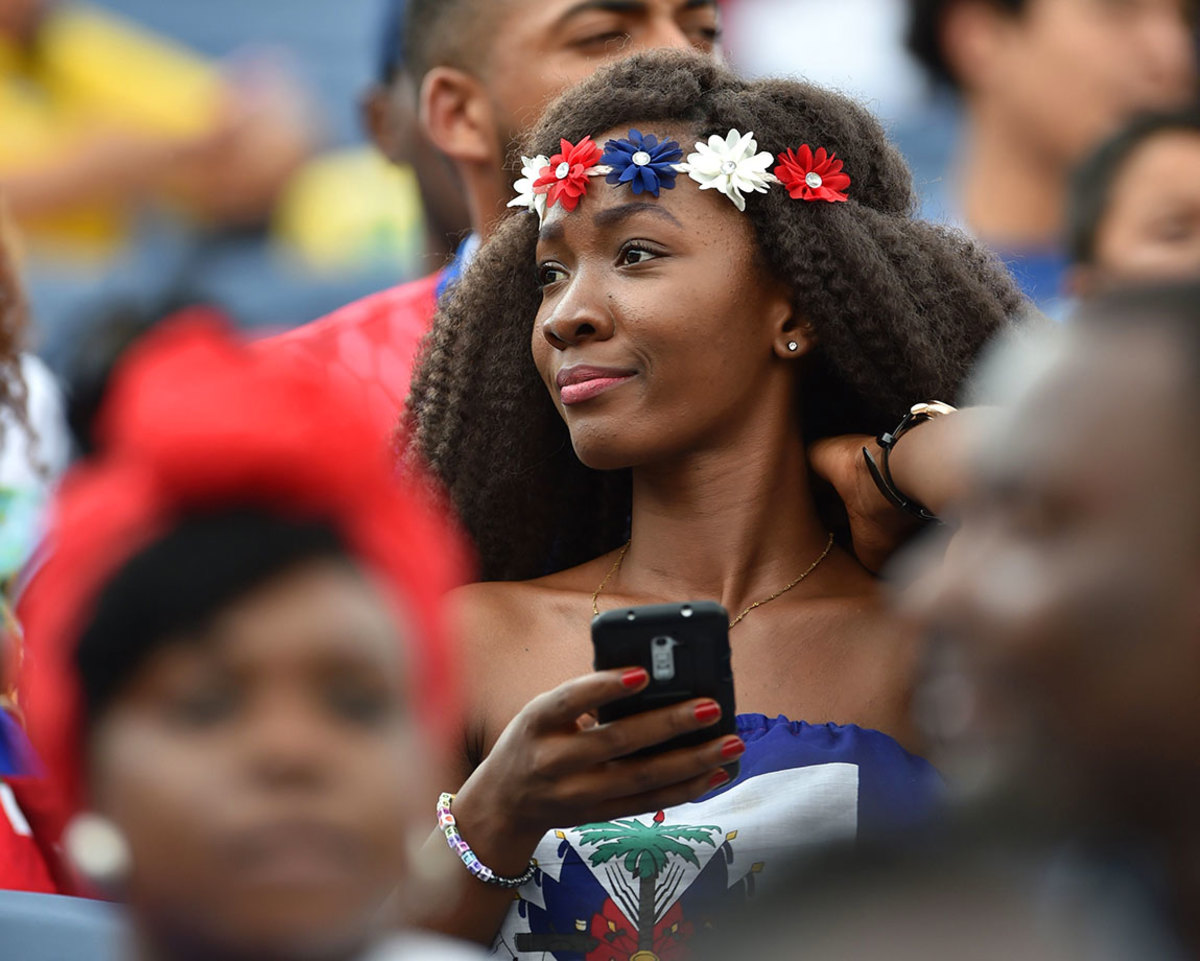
<point x="882" y="475"/>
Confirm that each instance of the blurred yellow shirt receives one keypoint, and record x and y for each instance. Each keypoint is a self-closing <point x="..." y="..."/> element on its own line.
<point x="92" y="73"/>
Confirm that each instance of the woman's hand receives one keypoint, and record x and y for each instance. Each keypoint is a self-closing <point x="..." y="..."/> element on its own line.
<point x="877" y="527"/>
<point x="929" y="464"/>
<point x="555" y="767"/>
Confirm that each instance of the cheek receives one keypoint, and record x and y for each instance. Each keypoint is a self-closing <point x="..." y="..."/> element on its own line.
<point x="164" y="794"/>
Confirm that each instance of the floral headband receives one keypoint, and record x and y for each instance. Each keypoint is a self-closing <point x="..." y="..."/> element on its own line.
<point x="732" y="164"/>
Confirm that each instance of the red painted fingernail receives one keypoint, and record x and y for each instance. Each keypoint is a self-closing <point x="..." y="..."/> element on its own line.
<point x="732" y="748"/>
<point x="721" y="777"/>
<point x="708" y="712"/>
<point x="634" y="678"/>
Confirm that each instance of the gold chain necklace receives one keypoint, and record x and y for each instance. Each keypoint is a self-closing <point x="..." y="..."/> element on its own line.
<point x="737" y="620"/>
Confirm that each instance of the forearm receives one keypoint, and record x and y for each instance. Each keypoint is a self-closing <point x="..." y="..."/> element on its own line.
<point x="116" y="169"/>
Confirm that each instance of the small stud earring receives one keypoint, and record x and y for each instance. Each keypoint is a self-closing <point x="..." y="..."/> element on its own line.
<point x="793" y="346"/>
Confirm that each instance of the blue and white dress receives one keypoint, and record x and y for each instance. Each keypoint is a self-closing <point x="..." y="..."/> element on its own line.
<point x="640" y="888"/>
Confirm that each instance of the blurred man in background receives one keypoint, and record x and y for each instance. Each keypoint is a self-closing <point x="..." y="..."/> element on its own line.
<point x="98" y="116"/>
<point x="390" y="116"/>
<point x="484" y="71"/>
<point x="1134" y="210"/>
<point x="1042" y="82"/>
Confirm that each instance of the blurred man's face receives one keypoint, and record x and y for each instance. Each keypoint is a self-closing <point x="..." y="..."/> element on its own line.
<point x="1069" y="72"/>
<point x="1073" y="585"/>
<point x="1152" y="227"/>
<point x="542" y="47"/>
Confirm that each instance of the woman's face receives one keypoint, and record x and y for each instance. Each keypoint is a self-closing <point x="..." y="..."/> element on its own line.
<point x="265" y="772"/>
<point x="659" y="334"/>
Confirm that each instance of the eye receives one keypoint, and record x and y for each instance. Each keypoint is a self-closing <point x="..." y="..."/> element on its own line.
<point x="633" y="254"/>
<point x="203" y="706"/>
<point x="361" y="704"/>
<point x="550" y="273"/>
<point x="611" y="39"/>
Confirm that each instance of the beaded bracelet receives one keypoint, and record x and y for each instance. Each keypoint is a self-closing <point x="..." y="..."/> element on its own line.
<point x="449" y="827"/>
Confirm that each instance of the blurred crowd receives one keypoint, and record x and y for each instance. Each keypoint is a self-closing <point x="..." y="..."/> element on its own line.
<point x="355" y="356"/>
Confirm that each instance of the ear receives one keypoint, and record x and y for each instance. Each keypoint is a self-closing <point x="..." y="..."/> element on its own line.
<point x="456" y="113"/>
<point x="793" y="337"/>
<point x="973" y="35"/>
<point x="376" y="111"/>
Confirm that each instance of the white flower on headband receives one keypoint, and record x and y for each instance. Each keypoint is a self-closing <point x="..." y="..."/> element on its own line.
<point x="731" y="165"/>
<point x="531" y="169"/>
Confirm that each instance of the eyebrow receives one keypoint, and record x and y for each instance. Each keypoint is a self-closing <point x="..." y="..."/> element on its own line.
<point x="612" y="216"/>
<point x="623" y="6"/>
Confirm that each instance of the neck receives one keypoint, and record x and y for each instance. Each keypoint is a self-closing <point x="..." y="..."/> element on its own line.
<point x="1012" y="194"/>
<point x="732" y="524"/>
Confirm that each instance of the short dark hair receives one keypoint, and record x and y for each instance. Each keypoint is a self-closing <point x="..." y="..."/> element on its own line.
<point x="1092" y="182"/>
<point x="925" y="35"/>
<point x="445" y="33"/>
<point x="177" y="584"/>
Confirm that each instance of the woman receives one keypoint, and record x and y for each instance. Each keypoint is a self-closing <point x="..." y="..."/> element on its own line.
<point x="235" y="672"/>
<point x="694" y="324"/>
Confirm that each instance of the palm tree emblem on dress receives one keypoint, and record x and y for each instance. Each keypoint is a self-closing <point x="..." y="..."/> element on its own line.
<point x="645" y="851"/>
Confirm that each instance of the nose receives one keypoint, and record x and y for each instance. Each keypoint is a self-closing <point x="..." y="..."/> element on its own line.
<point x="288" y="746"/>
<point x="581" y="314"/>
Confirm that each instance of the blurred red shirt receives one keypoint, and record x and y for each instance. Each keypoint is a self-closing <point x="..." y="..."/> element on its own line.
<point x="369" y="346"/>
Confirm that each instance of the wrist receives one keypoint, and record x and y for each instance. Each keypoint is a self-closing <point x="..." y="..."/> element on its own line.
<point x="890" y="471"/>
<point x="492" y="832"/>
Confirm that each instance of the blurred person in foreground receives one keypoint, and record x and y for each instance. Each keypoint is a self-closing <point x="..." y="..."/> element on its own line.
<point x="1067" y="607"/>
<point x="236" y="672"/>
<point x="483" y="70"/>
<point x="99" y="117"/>
<point x="1042" y="82"/>
<point x="1072" y="589"/>
<point x="1134" y="211"/>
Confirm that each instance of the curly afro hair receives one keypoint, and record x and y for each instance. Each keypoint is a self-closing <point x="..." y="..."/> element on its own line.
<point x="900" y="310"/>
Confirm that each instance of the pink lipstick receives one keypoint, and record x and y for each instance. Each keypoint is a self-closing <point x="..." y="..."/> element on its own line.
<point x="582" y="383"/>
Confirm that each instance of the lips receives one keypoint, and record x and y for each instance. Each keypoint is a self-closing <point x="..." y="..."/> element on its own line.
<point x="584" y="382"/>
<point x="295" y="854"/>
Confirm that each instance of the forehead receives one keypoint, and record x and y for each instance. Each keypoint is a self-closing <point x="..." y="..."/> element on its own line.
<point x="1168" y="160"/>
<point x="548" y="18"/>
<point x="323" y="610"/>
<point x="1106" y="417"/>
<point x="692" y="208"/>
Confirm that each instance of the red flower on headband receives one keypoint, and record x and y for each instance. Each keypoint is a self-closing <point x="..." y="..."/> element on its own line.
<point x="565" y="180"/>
<point x="810" y="176"/>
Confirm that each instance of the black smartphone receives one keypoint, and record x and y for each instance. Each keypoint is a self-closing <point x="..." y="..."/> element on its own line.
<point x="685" y="650"/>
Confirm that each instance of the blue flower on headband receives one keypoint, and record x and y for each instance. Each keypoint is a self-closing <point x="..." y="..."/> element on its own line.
<point x="642" y="162"/>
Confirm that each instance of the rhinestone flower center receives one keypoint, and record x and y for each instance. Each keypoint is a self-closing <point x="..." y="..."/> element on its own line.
<point x="813" y="179"/>
<point x="728" y="167"/>
<point x="641" y="158"/>
<point x="564" y="168"/>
